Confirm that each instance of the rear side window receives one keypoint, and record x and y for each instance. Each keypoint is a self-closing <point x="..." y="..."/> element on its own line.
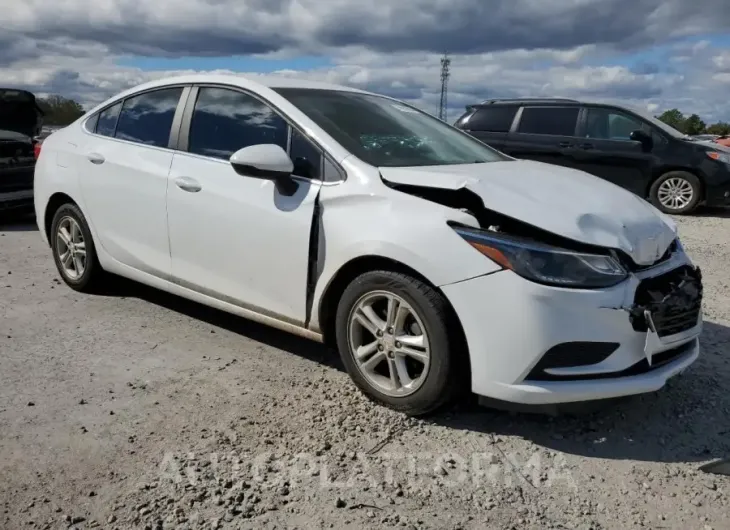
<point x="555" y="121"/>
<point x="225" y="121"/>
<point x="107" y="122"/>
<point x="491" y="119"/>
<point x="147" y="118"/>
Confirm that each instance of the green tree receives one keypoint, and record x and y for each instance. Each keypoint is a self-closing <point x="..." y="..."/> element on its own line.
<point x="722" y="128"/>
<point x="693" y="125"/>
<point x="673" y="118"/>
<point x="59" y="110"/>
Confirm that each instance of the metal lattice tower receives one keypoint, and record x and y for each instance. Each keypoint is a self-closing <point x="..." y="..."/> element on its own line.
<point x="445" y="63"/>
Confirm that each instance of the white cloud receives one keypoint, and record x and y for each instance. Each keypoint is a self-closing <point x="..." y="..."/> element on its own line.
<point x="515" y="48"/>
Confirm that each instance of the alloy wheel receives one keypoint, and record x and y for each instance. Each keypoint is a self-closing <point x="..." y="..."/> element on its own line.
<point x="675" y="193"/>
<point x="71" y="248"/>
<point x="389" y="343"/>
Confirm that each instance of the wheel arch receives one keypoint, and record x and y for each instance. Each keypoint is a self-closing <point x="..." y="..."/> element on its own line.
<point x="56" y="200"/>
<point x="660" y="172"/>
<point x="327" y="307"/>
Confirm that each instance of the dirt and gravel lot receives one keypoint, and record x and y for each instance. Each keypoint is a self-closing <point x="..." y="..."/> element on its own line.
<point x="137" y="409"/>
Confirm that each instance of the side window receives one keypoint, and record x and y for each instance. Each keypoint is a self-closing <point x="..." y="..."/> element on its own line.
<point x="491" y="119"/>
<point x="90" y="124"/>
<point x="306" y="156"/>
<point x="147" y="118"/>
<point x="107" y="121"/>
<point x="607" y="124"/>
<point x="555" y="121"/>
<point x="225" y="121"/>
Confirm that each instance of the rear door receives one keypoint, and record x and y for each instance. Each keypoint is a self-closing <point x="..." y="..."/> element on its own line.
<point x="123" y="171"/>
<point x="490" y="124"/>
<point x="544" y="134"/>
<point x="606" y="150"/>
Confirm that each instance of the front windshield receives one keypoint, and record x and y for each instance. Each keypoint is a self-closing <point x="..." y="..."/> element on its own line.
<point x="386" y="133"/>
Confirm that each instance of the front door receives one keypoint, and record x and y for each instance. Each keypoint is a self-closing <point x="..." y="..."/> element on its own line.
<point x="238" y="238"/>
<point x="605" y="149"/>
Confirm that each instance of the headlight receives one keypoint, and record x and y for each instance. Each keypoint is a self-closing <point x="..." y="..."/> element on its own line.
<point x="544" y="263"/>
<point x="720" y="157"/>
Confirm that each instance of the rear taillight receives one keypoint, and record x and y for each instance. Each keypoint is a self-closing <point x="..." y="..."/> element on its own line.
<point x="37" y="150"/>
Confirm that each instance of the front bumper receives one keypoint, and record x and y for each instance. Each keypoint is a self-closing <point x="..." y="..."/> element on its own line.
<point x="534" y="344"/>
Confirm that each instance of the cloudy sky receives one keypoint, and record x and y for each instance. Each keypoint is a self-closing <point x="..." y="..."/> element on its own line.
<point x="655" y="54"/>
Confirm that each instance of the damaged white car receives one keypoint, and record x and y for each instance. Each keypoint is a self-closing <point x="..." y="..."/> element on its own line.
<point x="433" y="263"/>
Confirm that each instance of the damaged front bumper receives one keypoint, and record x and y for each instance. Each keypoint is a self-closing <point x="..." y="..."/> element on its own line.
<point x="536" y="344"/>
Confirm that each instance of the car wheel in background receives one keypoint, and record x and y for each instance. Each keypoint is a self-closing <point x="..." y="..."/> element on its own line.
<point x="399" y="342"/>
<point x="73" y="249"/>
<point x="676" y="192"/>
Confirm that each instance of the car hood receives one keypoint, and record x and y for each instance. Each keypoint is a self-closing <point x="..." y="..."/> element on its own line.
<point x="566" y="202"/>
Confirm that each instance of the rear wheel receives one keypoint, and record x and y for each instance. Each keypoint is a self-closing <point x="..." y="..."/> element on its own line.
<point x="73" y="249"/>
<point x="393" y="337"/>
<point x="676" y="192"/>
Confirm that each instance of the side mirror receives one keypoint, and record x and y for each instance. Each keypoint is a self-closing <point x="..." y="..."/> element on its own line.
<point x="266" y="161"/>
<point x="643" y="138"/>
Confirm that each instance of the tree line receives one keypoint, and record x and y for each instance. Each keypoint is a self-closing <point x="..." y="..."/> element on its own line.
<point x="58" y="110"/>
<point x="693" y="124"/>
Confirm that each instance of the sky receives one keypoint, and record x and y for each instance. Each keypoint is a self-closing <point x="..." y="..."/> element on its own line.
<point x="651" y="54"/>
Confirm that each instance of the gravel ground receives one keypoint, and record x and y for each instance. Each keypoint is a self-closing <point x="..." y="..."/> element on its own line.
<point x="141" y="410"/>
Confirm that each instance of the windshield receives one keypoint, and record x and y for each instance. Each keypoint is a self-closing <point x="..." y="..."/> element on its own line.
<point x="386" y="133"/>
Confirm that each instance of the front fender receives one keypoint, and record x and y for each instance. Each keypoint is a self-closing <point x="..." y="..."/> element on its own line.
<point x="396" y="226"/>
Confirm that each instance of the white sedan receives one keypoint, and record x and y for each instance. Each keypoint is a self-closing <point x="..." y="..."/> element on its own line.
<point x="433" y="263"/>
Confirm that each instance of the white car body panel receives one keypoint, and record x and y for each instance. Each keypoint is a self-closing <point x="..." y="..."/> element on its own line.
<point x="235" y="243"/>
<point x="239" y="239"/>
<point x="123" y="196"/>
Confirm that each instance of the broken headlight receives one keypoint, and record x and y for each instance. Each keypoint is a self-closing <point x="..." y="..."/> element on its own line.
<point x="546" y="264"/>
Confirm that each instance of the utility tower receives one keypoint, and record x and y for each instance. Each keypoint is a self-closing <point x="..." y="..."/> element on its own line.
<point x="445" y="63"/>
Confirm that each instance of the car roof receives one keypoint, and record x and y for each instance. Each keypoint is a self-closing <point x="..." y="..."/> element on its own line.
<point x="253" y="82"/>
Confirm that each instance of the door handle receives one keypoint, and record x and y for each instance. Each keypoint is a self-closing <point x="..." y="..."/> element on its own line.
<point x="95" y="158"/>
<point x="188" y="184"/>
<point x="565" y="144"/>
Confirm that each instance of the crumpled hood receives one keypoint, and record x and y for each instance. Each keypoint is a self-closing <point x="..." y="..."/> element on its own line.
<point x="564" y="201"/>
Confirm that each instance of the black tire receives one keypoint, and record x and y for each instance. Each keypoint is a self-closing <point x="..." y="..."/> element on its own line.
<point x="93" y="275"/>
<point x="447" y="373"/>
<point x="693" y="181"/>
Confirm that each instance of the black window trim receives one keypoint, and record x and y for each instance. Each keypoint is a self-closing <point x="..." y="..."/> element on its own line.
<point x="469" y="115"/>
<point x="176" y="119"/>
<point x="187" y="114"/>
<point x="518" y="120"/>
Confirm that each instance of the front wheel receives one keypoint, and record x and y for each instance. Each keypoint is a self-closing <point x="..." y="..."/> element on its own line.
<point x="676" y="192"/>
<point x="394" y="339"/>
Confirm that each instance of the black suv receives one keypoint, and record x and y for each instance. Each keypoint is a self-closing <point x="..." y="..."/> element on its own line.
<point x="20" y="122"/>
<point x="629" y="148"/>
